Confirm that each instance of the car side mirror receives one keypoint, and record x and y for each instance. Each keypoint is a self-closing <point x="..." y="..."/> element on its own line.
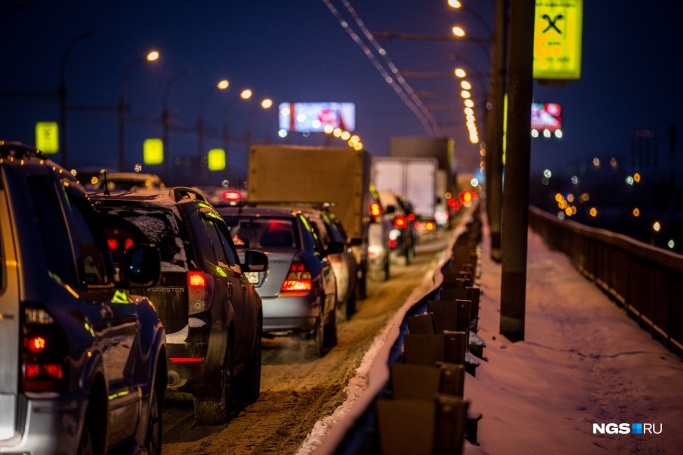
<point x="334" y="248"/>
<point x="141" y="266"/>
<point x="255" y="261"/>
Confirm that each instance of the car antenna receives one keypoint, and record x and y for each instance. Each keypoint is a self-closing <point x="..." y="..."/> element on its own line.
<point x="106" y="187"/>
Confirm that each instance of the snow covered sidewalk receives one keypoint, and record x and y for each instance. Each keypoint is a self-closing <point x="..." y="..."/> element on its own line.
<point x="583" y="362"/>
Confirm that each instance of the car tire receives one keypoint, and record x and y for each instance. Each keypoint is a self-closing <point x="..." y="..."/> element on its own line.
<point x="330" y="335"/>
<point x="351" y="302"/>
<point x="385" y="270"/>
<point x="410" y="254"/>
<point x="316" y="342"/>
<point x="217" y="412"/>
<point x="252" y="376"/>
<point x="85" y="443"/>
<point x="153" y="434"/>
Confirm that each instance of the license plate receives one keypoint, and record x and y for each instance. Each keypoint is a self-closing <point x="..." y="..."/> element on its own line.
<point x="252" y="277"/>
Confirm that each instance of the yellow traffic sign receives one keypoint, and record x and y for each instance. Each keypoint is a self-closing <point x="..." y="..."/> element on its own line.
<point x="47" y="137"/>
<point x="557" y="39"/>
<point x="216" y="159"/>
<point x="153" y="151"/>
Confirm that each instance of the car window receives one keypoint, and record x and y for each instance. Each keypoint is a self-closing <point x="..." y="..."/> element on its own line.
<point x="334" y="228"/>
<point x="53" y="229"/>
<point x="262" y="233"/>
<point x="91" y="264"/>
<point x="223" y="255"/>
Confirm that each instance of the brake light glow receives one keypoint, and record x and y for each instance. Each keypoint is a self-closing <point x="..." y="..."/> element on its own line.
<point x="113" y="243"/>
<point x="400" y="222"/>
<point x="186" y="360"/>
<point x="375" y="209"/>
<point x="43" y="352"/>
<point x="411" y="216"/>
<point x="198" y="291"/>
<point x="231" y="196"/>
<point x="298" y="278"/>
<point x="392" y="243"/>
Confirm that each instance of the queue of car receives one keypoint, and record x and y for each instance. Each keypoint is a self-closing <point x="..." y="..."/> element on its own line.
<point x="122" y="292"/>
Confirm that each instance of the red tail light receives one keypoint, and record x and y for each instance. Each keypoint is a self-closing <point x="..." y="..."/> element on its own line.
<point x="400" y="222"/>
<point x="392" y="243"/>
<point x="298" y="278"/>
<point x="199" y="286"/>
<point x="113" y="243"/>
<point x="231" y="196"/>
<point x="43" y="353"/>
<point x="411" y="217"/>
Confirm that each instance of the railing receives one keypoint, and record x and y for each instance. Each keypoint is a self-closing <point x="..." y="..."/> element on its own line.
<point x="646" y="281"/>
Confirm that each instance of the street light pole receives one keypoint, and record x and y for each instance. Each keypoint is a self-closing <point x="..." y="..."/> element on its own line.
<point x="62" y="92"/>
<point x="221" y="85"/>
<point x="244" y="95"/>
<point x="165" y="119"/>
<point x="121" y="107"/>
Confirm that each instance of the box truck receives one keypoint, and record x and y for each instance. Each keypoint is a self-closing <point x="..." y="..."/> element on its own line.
<point x="316" y="174"/>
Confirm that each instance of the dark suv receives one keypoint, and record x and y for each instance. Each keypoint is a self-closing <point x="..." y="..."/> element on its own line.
<point x="213" y="316"/>
<point x="82" y="362"/>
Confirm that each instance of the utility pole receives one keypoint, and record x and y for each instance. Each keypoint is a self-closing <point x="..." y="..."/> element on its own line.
<point x="494" y="132"/>
<point x="516" y="185"/>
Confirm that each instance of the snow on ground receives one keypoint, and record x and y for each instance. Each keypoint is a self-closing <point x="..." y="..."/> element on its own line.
<point x="584" y="361"/>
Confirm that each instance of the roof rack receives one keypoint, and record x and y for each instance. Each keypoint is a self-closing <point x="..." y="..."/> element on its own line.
<point x="183" y="192"/>
<point x="18" y="150"/>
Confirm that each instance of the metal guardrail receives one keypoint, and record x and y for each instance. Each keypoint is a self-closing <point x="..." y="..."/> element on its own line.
<point x="645" y="280"/>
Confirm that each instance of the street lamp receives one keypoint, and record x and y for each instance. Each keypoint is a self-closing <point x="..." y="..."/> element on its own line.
<point x="243" y="95"/>
<point x="221" y="85"/>
<point x="165" y="118"/>
<point x="62" y="91"/>
<point x="152" y="56"/>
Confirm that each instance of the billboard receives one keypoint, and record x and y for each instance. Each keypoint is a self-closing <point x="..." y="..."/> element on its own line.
<point x="557" y="39"/>
<point x="546" y="116"/>
<point x="313" y="117"/>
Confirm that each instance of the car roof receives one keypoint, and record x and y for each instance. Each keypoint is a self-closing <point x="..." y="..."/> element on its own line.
<point x="256" y="211"/>
<point x="168" y="199"/>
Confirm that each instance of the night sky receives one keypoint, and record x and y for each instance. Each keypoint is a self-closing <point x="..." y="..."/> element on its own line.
<point x="297" y="51"/>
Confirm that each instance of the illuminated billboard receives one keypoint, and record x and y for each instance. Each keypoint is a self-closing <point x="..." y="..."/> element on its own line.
<point x="546" y="117"/>
<point x="313" y="117"/>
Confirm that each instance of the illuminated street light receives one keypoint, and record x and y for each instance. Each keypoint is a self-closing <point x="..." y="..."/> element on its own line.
<point x="454" y="4"/>
<point x="459" y="72"/>
<point x="151" y="56"/>
<point x="458" y="31"/>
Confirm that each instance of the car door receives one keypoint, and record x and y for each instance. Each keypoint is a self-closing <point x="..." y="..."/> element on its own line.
<point x="226" y="271"/>
<point x="116" y="324"/>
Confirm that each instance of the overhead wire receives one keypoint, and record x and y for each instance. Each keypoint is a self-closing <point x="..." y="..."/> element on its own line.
<point x="390" y="73"/>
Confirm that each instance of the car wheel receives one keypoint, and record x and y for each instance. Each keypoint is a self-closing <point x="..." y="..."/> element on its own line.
<point x="316" y="344"/>
<point x="153" y="437"/>
<point x="253" y="373"/>
<point x="85" y="443"/>
<point x="330" y="335"/>
<point x="351" y="304"/>
<point x="410" y="254"/>
<point x="385" y="271"/>
<point x="217" y="412"/>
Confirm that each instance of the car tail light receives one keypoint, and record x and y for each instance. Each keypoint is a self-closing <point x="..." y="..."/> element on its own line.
<point x="392" y="243"/>
<point x="44" y="353"/>
<point x="231" y="196"/>
<point x="400" y="222"/>
<point x="113" y="243"/>
<point x="200" y="291"/>
<point x="411" y="216"/>
<point x="375" y="209"/>
<point x="298" y="278"/>
<point x="186" y="360"/>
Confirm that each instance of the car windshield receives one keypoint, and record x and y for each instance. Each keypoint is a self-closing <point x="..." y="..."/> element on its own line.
<point x="262" y="233"/>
